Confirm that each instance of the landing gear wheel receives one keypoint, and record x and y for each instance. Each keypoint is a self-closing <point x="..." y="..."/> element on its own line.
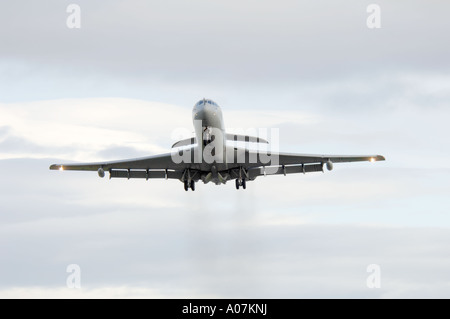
<point x="244" y="186"/>
<point x="193" y="185"/>
<point x="186" y="186"/>
<point x="237" y="183"/>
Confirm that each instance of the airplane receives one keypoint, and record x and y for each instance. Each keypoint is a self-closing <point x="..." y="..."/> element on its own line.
<point x="208" y="157"/>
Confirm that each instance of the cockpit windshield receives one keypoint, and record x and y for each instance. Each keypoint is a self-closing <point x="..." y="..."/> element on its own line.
<point x="205" y="101"/>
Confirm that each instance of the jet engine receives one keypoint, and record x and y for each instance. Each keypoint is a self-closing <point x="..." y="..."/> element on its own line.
<point x="101" y="172"/>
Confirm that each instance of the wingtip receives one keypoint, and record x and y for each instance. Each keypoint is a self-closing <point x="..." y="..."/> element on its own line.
<point x="380" y="158"/>
<point x="54" y="167"/>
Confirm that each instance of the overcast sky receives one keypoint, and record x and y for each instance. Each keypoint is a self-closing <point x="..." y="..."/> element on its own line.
<point x="123" y="84"/>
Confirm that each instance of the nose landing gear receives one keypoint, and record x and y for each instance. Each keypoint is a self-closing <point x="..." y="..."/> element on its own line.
<point x="188" y="180"/>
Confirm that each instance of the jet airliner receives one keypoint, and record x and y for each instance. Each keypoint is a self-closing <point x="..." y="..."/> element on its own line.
<point x="208" y="157"/>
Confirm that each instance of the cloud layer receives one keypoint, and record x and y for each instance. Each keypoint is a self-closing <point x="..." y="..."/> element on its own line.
<point x="123" y="86"/>
<point x="280" y="238"/>
<point x="130" y="240"/>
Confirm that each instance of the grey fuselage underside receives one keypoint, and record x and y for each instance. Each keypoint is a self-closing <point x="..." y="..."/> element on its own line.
<point x="207" y="116"/>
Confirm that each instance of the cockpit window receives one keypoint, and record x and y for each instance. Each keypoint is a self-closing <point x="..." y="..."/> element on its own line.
<point x="206" y="101"/>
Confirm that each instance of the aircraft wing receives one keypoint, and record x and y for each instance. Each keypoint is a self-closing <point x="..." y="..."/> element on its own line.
<point x="286" y="163"/>
<point x="287" y="159"/>
<point x="158" y="166"/>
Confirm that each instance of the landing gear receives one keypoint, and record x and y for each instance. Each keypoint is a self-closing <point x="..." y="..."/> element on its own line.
<point x="240" y="183"/>
<point x="188" y="178"/>
<point x="190" y="185"/>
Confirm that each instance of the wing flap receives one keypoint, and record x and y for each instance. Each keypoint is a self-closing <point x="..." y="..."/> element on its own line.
<point x="147" y="174"/>
<point x="284" y="170"/>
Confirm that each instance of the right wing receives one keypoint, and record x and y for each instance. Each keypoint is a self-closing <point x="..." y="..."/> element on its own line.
<point x="157" y="166"/>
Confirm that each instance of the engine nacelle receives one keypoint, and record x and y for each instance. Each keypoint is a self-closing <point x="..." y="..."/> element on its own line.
<point x="329" y="165"/>
<point x="101" y="172"/>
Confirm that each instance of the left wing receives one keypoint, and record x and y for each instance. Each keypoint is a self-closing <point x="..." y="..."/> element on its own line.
<point x="287" y="159"/>
<point x="258" y="164"/>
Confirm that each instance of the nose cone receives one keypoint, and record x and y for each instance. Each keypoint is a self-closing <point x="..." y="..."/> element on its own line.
<point x="208" y="112"/>
<point x="201" y="112"/>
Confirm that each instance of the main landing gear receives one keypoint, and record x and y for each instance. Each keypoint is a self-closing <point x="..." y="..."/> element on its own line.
<point x="190" y="185"/>
<point x="240" y="183"/>
<point x="188" y="178"/>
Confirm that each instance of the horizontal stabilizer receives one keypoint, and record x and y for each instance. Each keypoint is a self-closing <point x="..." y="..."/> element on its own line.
<point x="245" y="138"/>
<point x="188" y="141"/>
<point x="230" y="137"/>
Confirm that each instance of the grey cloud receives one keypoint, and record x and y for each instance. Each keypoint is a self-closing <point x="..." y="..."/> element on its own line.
<point x="235" y="250"/>
<point x="15" y="144"/>
<point x="115" y="152"/>
<point x="292" y="54"/>
<point x="226" y="42"/>
<point x="380" y="91"/>
<point x="4" y="130"/>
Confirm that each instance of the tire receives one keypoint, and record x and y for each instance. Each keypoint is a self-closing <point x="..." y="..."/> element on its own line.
<point x="237" y="183"/>
<point x="186" y="186"/>
<point x="193" y="185"/>
<point x="244" y="185"/>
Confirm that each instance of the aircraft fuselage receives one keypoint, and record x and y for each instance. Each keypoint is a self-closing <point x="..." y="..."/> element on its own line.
<point x="211" y="138"/>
